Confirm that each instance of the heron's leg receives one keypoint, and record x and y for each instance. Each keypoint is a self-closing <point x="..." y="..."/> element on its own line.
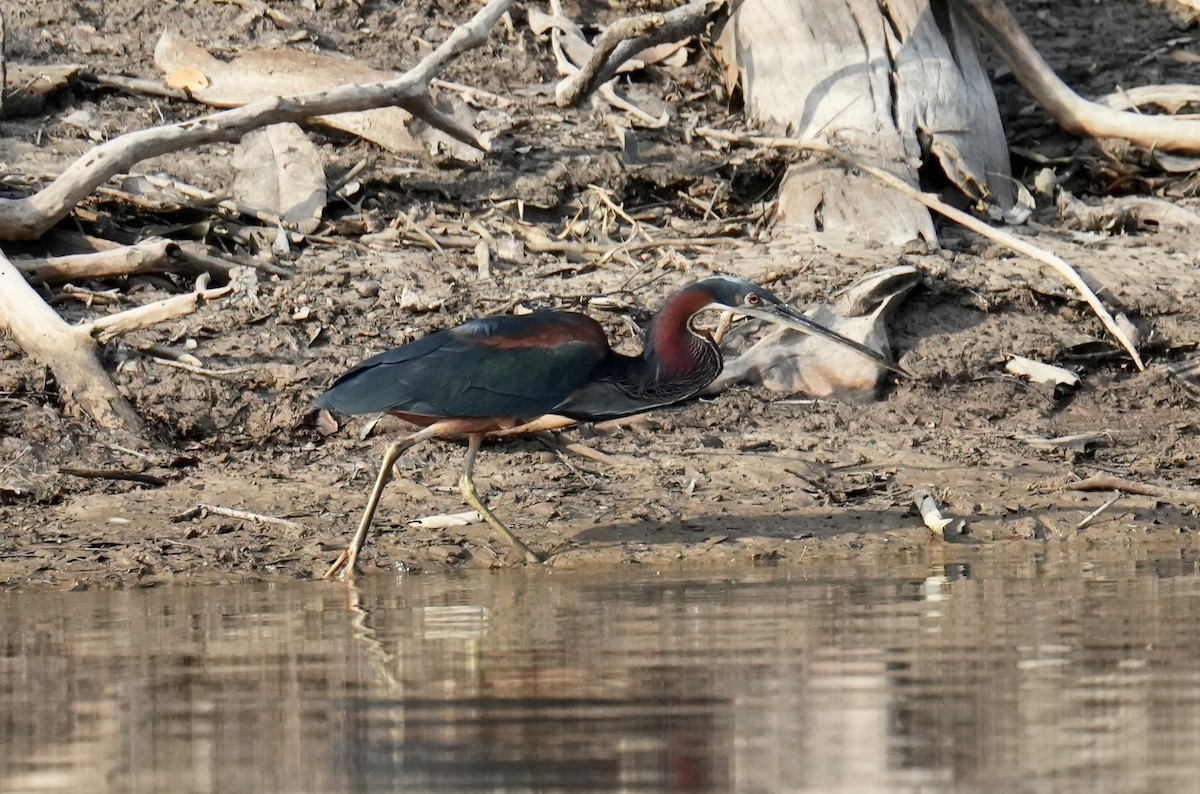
<point x="546" y="427"/>
<point x="542" y="423"/>
<point x="348" y="559"/>
<point x="466" y="484"/>
<point x="555" y="441"/>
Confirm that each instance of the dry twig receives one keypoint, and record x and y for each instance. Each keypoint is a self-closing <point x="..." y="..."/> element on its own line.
<point x="133" y="85"/>
<point x="200" y="510"/>
<point x="1007" y="239"/>
<point x="1091" y="517"/>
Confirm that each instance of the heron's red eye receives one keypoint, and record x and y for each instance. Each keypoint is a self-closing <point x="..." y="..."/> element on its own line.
<point x="752" y="299"/>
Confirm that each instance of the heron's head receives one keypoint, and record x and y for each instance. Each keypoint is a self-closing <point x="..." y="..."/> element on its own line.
<point x="737" y="295"/>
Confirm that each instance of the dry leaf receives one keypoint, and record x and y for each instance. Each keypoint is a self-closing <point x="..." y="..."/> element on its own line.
<point x="673" y="53"/>
<point x="280" y="171"/>
<point x="187" y="79"/>
<point x="265" y="73"/>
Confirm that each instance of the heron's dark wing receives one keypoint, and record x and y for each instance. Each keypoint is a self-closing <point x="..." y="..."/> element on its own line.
<point x="492" y="367"/>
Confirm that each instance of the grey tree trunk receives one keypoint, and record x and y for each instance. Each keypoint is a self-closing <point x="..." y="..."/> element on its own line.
<point x="895" y="82"/>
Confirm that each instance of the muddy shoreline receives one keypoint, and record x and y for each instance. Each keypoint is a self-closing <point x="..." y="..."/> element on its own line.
<point x="748" y="475"/>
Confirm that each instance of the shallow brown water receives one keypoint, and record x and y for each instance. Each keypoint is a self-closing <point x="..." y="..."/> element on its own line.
<point x="1069" y="675"/>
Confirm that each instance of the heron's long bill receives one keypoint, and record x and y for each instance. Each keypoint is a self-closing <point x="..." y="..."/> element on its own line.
<point x="785" y="315"/>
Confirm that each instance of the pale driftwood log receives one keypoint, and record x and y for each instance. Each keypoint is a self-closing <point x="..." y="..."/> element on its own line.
<point x="887" y="82"/>
<point x="1072" y="111"/>
<point x="69" y="352"/>
<point x="28" y="218"/>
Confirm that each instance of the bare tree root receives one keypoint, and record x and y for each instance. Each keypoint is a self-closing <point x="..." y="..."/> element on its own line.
<point x="1007" y="239"/>
<point x="68" y="351"/>
<point x="1073" y="112"/>
<point x="29" y="218"/>
<point x="626" y="37"/>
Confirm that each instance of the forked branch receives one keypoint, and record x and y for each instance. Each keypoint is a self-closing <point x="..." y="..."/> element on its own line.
<point x="68" y="351"/>
<point x="1072" y="111"/>
<point x="625" y="38"/>
<point x="28" y="218"/>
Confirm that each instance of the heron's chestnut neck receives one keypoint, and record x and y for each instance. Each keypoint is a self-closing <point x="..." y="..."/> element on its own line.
<point x="671" y="344"/>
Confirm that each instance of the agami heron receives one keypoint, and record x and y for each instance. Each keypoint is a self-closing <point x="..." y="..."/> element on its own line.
<point x="518" y="373"/>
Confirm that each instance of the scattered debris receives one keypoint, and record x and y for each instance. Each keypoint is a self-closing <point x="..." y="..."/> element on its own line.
<point x="1037" y="372"/>
<point x="1073" y="442"/>
<point x="931" y="515"/>
<point x="447" y="520"/>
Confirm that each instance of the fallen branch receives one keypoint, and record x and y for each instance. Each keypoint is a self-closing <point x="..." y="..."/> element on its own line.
<point x="68" y="351"/>
<point x="1000" y="236"/>
<point x="110" y="326"/>
<point x="114" y="474"/>
<point x="154" y="255"/>
<point x="1107" y="482"/>
<point x="200" y="510"/>
<point x="28" y="218"/>
<point x="625" y="38"/>
<point x="1073" y="112"/>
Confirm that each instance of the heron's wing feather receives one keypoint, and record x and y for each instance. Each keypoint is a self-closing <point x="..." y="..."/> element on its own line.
<point x="493" y="367"/>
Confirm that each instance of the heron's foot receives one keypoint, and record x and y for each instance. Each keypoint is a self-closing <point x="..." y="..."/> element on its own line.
<point x="347" y="561"/>
<point x="337" y="564"/>
<point x="467" y="486"/>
